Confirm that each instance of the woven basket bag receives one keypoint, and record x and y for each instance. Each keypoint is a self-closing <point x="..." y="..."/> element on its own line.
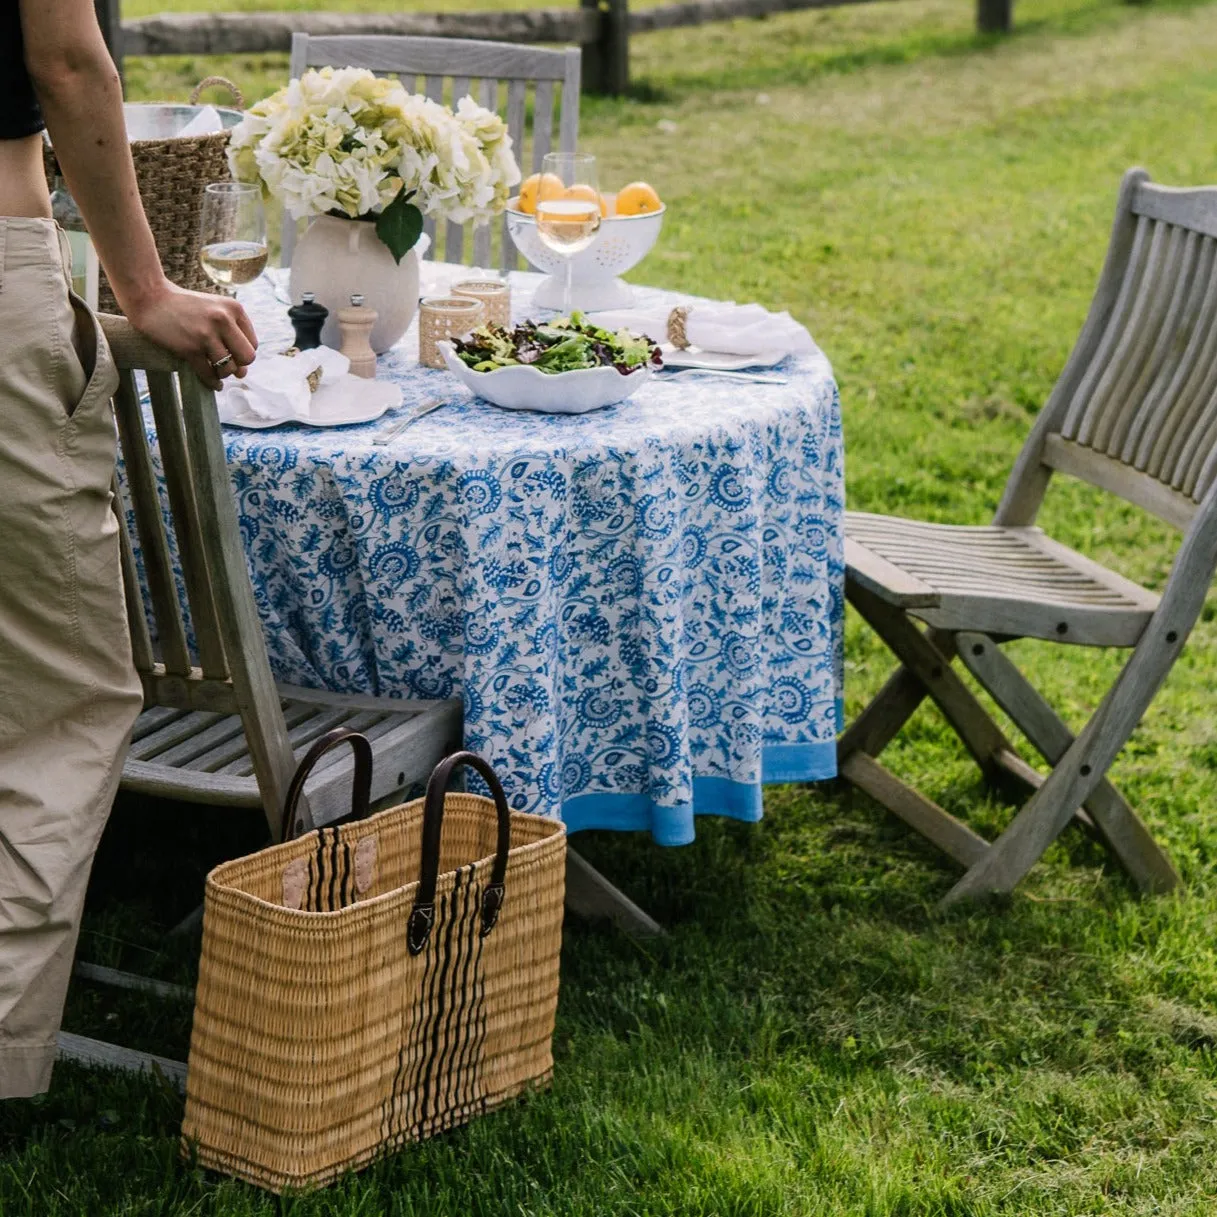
<point x="171" y="174"/>
<point x="373" y="983"/>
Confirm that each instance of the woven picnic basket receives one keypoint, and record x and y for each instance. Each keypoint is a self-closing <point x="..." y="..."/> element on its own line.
<point x="171" y="174"/>
<point x="374" y="983"/>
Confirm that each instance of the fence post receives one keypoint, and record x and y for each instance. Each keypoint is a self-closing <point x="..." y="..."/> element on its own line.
<point x="109" y="17"/>
<point x="994" y="16"/>
<point x="593" y="53"/>
<point x="617" y="48"/>
<point x="606" y="62"/>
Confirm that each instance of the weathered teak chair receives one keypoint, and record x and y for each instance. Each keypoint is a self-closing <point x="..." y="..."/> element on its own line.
<point x="1134" y="413"/>
<point x="475" y="69"/>
<point x="216" y="728"/>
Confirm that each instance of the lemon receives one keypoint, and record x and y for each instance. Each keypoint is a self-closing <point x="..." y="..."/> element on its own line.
<point x="637" y="199"/>
<point x="582" y="191"/>
<point x="535" y="187"/>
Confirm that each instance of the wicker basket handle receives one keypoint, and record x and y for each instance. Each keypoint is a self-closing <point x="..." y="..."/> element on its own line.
<point x="208" y="81"/>
<point x="422" y="915"/>
<point x="361" y="786"/>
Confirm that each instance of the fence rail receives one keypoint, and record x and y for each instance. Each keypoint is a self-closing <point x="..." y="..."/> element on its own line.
<point x="602" y="28"/>
<point x="215" y="33"/>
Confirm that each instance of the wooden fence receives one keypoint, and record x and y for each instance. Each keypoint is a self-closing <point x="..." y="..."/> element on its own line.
<point x="602" y="28"/>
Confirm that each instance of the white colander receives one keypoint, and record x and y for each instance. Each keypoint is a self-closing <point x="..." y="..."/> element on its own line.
<point x="622" y="242"/>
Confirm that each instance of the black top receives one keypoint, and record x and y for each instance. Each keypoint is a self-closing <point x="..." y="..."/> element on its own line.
<point x="19" y="112"/>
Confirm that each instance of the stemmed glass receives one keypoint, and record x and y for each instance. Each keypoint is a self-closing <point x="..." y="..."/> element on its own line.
<point x="568" y="209"/>
<point x="233" y="234"/>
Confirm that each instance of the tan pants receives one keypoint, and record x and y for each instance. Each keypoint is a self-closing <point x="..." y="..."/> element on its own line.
<point x="68" y="691"/>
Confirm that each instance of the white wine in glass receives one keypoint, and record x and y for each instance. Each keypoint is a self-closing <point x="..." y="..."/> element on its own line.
<point x="568" y="209"/>
<point x="232" y="263"/>
<point x="233" y="234"/>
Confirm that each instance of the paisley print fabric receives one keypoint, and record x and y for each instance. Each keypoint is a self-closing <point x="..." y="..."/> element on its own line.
<point x="640" y="607"/>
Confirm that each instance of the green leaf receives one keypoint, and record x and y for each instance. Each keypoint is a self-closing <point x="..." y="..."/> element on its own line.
<point x="400" y="225"/>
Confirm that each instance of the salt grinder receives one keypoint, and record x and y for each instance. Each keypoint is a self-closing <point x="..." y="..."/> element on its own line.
<point x="307" y="318"/>
<point x="355" y="324"/>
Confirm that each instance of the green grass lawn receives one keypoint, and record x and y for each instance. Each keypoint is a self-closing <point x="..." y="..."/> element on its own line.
<point x="813" y="1038"/>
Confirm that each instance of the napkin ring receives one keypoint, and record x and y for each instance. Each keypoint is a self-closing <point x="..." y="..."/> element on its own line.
<point x="677" y="320"/>
<point x="313" y="378"/>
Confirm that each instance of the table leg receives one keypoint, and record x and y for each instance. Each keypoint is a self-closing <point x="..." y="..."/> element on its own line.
<point x="590" y="894"/>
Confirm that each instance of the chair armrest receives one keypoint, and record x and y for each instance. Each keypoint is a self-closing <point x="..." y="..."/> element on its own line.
<point x="132" y="350"/>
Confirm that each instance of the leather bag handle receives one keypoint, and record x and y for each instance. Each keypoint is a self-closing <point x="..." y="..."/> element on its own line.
<point x="361" y="786"/>
<point x="422" y="915"/>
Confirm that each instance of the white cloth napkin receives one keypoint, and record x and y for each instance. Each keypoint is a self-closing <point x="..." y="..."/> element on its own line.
<point x="732" y="329"/>
<point x="205" y="122"/>
<point x="276" y="388"/>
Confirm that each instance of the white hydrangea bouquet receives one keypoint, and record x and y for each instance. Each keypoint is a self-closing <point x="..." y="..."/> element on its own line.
<point x="344" y="142"/>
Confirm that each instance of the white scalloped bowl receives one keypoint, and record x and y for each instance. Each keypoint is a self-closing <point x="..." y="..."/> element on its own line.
<point x="525" y="388"/>
<point x="622" y="242"/>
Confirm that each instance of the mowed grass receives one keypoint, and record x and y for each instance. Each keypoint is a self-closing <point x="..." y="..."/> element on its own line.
<point x="813" y="1037"/>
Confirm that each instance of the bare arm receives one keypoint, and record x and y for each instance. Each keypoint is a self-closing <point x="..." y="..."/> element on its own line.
<point x="81" y="98"/>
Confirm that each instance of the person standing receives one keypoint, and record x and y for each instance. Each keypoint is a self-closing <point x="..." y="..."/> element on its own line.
<point x="69" y="694"/>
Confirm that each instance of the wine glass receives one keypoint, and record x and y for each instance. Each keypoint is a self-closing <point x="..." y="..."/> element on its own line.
<point x="233" y="234"/>
<point x="568" y="209"/>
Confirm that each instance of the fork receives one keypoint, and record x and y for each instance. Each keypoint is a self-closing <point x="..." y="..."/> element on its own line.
<point x="413" y="416"/>
<point x="750" y="377"/>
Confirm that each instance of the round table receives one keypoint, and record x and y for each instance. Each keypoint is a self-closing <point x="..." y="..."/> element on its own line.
<point x="641" y="607"/>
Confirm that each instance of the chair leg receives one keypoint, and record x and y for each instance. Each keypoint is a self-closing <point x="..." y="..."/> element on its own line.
<point x="924" y="816"/>
<point x="887" y="712"/>
<point x="1116" y="822"/>
<point x="926" y="669"/>
<point x="931" y="667"/>
<point x="590" y="894"/>
<point x="1084" y="764"/>
<point x="100" y="1055"/>
<point x="883" y="717"/>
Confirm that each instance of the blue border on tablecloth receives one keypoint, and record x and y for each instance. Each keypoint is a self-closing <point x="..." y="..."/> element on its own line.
<point x="815" y="762"/>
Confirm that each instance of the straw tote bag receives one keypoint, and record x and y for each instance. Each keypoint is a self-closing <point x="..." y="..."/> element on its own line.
<point x="373" y="983"/>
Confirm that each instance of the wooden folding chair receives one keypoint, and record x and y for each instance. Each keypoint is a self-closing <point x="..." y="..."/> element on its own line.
<point x="1135" y="414"/>
<point x="216" y="728"/>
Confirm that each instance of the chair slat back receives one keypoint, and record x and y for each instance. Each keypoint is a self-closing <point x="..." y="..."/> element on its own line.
<point x="150" y="528"/>
<point x="1135" y="411"/>
<point x="445" y="70"/>
<point x="137" y="623"/>
<point x="227" y="669"/>
<point x="482" y="233"/>
<point x="184" y="511"/>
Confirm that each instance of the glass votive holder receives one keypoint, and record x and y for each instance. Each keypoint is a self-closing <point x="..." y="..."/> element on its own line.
<point x="495" y="295"/>
<point x="442" y="317"/>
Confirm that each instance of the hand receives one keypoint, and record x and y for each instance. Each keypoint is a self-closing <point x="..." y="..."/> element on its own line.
<point x="200" y="328"/>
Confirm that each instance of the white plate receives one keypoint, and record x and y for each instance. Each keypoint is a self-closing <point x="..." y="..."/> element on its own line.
<point x="347" y="402"/>
<point x="524" y="388"/>
<point x="695" y="357"/>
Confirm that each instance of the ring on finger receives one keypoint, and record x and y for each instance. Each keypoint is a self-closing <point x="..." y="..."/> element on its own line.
<point x="220" y="364"/>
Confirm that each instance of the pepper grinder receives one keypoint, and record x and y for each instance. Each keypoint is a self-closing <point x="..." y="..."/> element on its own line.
<point x="355" y="324"/>
<point x="307" y="318"/>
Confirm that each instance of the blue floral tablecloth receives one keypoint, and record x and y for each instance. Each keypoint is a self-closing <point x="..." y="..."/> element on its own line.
<point x="640" y="607"/>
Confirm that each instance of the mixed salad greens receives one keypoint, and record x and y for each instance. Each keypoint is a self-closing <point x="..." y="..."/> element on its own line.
<point x="564" y="345"/>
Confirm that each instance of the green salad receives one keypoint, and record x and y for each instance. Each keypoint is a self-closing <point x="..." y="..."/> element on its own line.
<point x="564" y="345"/>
